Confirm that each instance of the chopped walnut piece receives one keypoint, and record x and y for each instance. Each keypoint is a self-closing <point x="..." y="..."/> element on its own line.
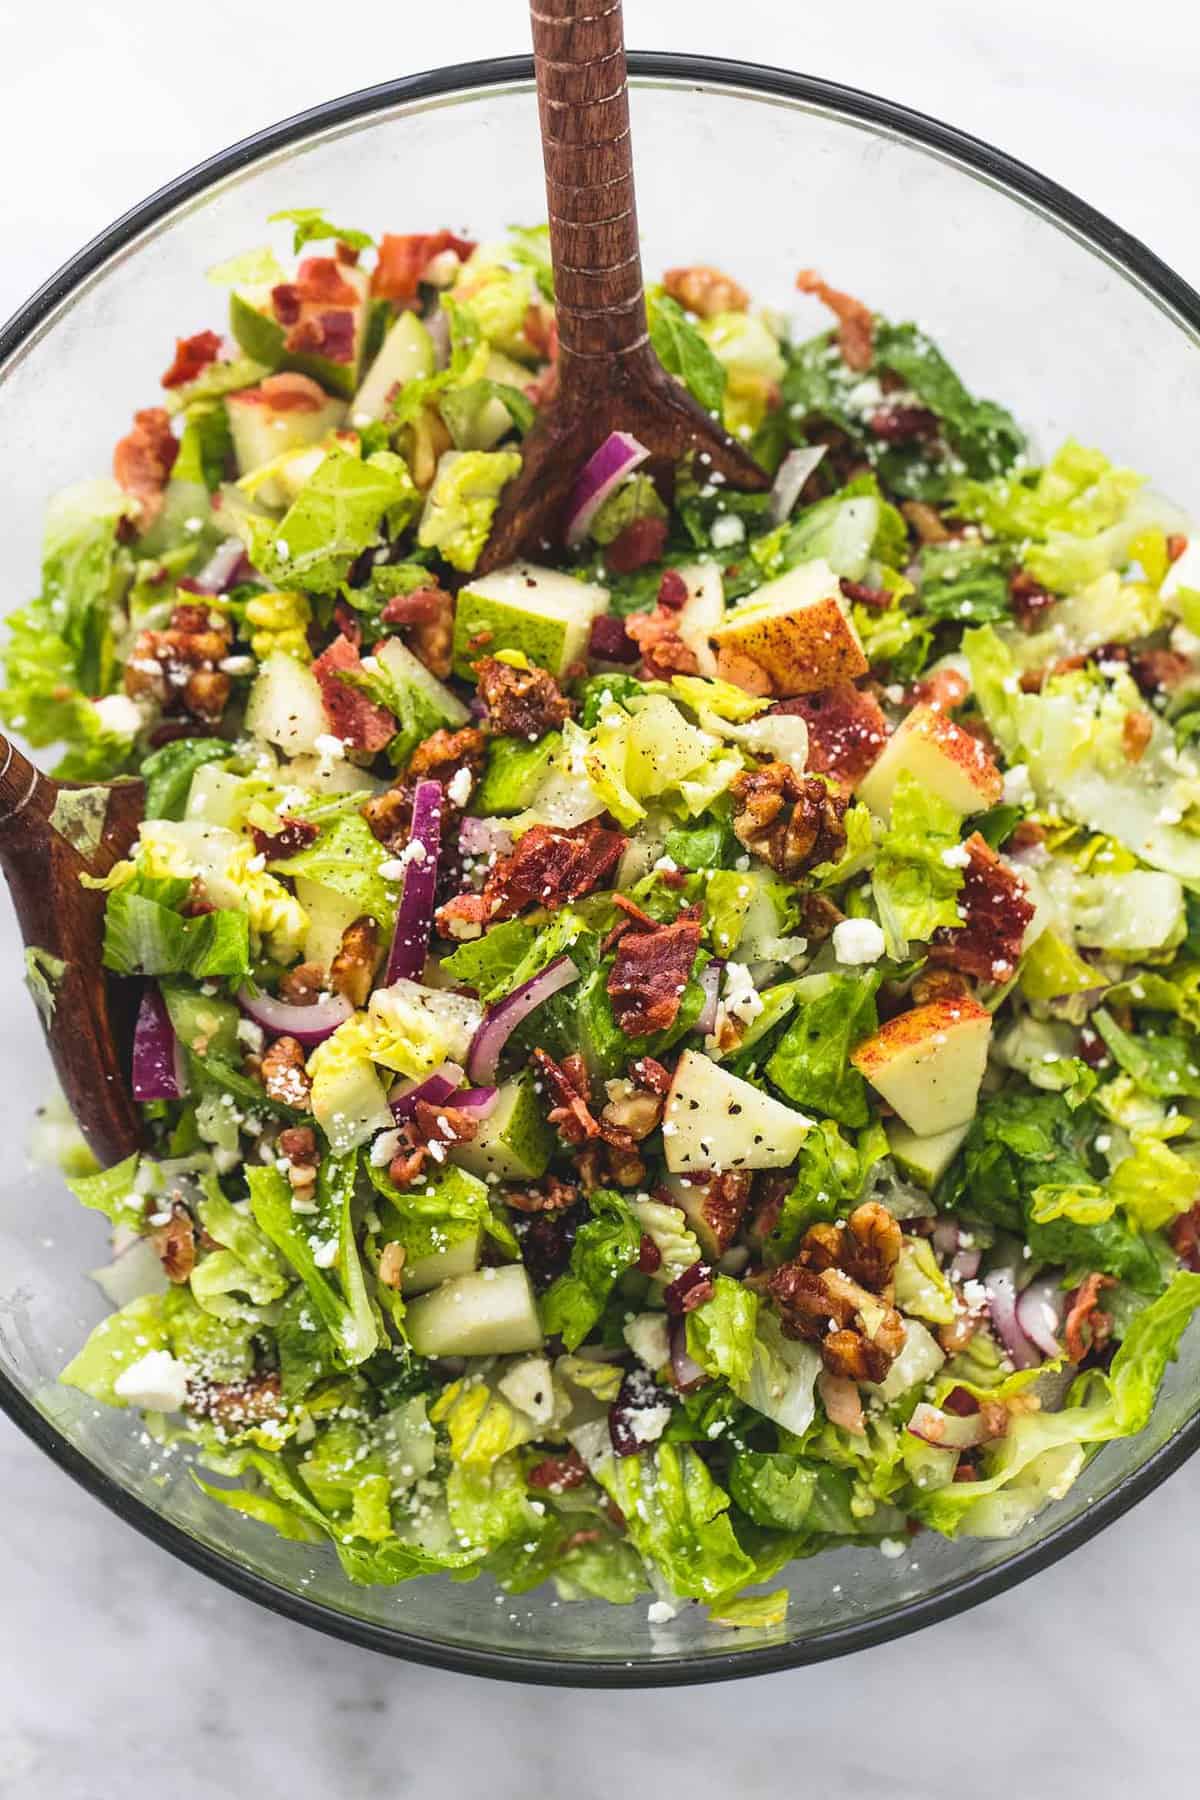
<point x="352" y="969"/>
<point x="836" y="1292"/>
<point x="284" y="1075"/>
<point x="1136" y="733"/>
<point x="520" y="702"/>
<point x="175" y="1244"/>
<point x="426" y="619"/>
<point x="552" y="1195"/>
<point x="302" y="985"/>
<point x="639" y="1113"/>
<point x="792" y="821"/>
<point x="926" y="521"/>
<point x="391" y="1264"/>
<point x="705" y="291"/>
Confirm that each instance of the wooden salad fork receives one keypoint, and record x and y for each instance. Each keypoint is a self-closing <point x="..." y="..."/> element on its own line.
<point x="609" y="378"/>
<point x="49" y="837"/>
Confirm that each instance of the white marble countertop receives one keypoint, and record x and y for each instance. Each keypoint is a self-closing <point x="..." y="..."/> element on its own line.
<point x="121" y="1671"/>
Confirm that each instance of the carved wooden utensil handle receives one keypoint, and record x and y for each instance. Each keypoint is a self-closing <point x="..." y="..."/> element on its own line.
<point x="64" y="922"/>
<point x="583" y="100"/>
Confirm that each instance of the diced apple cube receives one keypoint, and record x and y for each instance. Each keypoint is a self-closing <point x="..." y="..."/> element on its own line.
<point x="796" y="630"/>
<point x="928" y="1063"/>
<point x="944" y="758"/>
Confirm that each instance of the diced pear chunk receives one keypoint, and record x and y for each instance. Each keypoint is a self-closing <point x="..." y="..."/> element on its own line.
<point x="924" y="1159"/>
<point x="492" y="1312"/>
<point x="715" y="1120"/>
<point x="928" y="1063"/>
<point x="796" y="630"/>
<point x="944" y="758"/>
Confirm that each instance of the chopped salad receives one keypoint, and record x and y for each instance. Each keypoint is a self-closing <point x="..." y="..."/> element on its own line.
<point x="660" y="1060"/>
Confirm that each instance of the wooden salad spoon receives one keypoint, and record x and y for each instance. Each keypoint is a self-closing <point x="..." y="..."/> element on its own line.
<point x="609" y="378"/>
<point x="47" y="840"/>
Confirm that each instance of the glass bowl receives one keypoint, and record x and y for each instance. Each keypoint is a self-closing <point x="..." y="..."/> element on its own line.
<point x="1038" y="301"/>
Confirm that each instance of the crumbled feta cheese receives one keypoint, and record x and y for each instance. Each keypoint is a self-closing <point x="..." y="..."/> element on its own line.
<point x="328" y="747"/>
<point x="726" y="531"/>
<point x="892" y="1547"/>
<point x="118" y="713"/>
<point x="385" y="1147"/>
<point x="325" y="1255"/>
<point x="857" y="941"/>
<point x="236" y="665"/>
<point x="458" y="788"/>
<point x="1018" y="789"/>
<point x="156" y="1382"/>
<point x="250" y="1035"/>
<point x="648" y="1424"/>
<point x="957" y="857"/>
<point x="647" y="1337"/>
<point x="661" y="1612"/>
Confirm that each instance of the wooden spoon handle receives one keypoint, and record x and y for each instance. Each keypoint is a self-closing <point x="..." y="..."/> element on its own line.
<point x="583" y="99"/>
<point x="26" y="796"/>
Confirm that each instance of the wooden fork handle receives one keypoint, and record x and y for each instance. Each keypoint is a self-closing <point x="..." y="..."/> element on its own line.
<point x="583" y="99"/>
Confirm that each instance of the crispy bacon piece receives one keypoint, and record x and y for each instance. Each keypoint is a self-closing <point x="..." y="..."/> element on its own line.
<point x="192" y="354"/>
<point x="567" y="1085"/>
<point x="427" y="618"/>
<point x="846" y="731"/>
<point x="358" y="720"/>
<point x="549" y="867"/>
<point x="650" y="972"/>
<point x="1176" y="545"/>
<point x="856" y="322"/>
<point x="996" y="908"/>
<point x="1087" y="1328"/>
<point x="143" y="459"/>
<point x="642" y="541"/>
<point x="319" y="279"/>
<point x="234" y="1406"/>
<point x="295" y="835"/>
<point x="792" y="821"/>
<point x="286" y="392"/>
<point x="651" y="1075"/>
<point x="705" y="291"/>
<point x="403" y="259"/>
<point x="329" y="333"/>
<point x="520" y="702"/>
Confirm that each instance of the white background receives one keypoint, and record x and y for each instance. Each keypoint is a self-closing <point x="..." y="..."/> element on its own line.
<point x="123" y="1673"/>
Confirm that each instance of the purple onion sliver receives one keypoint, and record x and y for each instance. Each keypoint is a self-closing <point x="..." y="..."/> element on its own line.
<point x="1040" y="1312"/>
<point x="437" y="1089"/>
<point x="793" y="472"/>
<point x="945" y="1238"/>
<point x="965" y="1266"/>
<point x="156" y="1071"/>
<point x="501" y="1020"/>
<point x="484" y="837"/>
<point x="687" y="1372"/>
<point x="710" y="981"/>
<point x="1002" y="1305"/>
<point x="618" y="456"/>
<point x="309" y="1025"/>
<point x="414" y="916"/>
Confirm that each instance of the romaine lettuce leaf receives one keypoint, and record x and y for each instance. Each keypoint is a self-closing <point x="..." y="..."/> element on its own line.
<point x="604" y="1248"/>
<point x="913" y="882"/>
<point x="336" y="1287"/>
<point x="677" y="1517"/>
<point x="721" y="1332"/>
<point x="168" y="773"/>
<point x="810" y="1065"/>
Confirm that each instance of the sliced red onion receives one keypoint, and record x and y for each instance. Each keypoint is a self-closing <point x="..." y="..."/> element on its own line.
<point x="478" y="1100"/>
<point x="157" y="1064"/>
<point x="617" y="457"/>
<point x="1040" y="1312"/>
<point x="484" y="837"/>
<point x="501" y="1020"/>
<point x="945" y="1238"/>
<point x="414" y="916"/>
<point x="436" y="1089"/>
<point x="792" y="474"/>
<point x="710" y="981"/>
<point x="307" y="1024"/>
<point x="965" y="1266"/>
<point x="685" y="1369"/>
<point x="1002" y="1305"/>
<point x="218" y="572"/>
<point x="610" y="642"/>
<point x="946" y="1430"/>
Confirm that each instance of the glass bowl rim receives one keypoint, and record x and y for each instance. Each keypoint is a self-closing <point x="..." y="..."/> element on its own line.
<point x="1080" y="220"/>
